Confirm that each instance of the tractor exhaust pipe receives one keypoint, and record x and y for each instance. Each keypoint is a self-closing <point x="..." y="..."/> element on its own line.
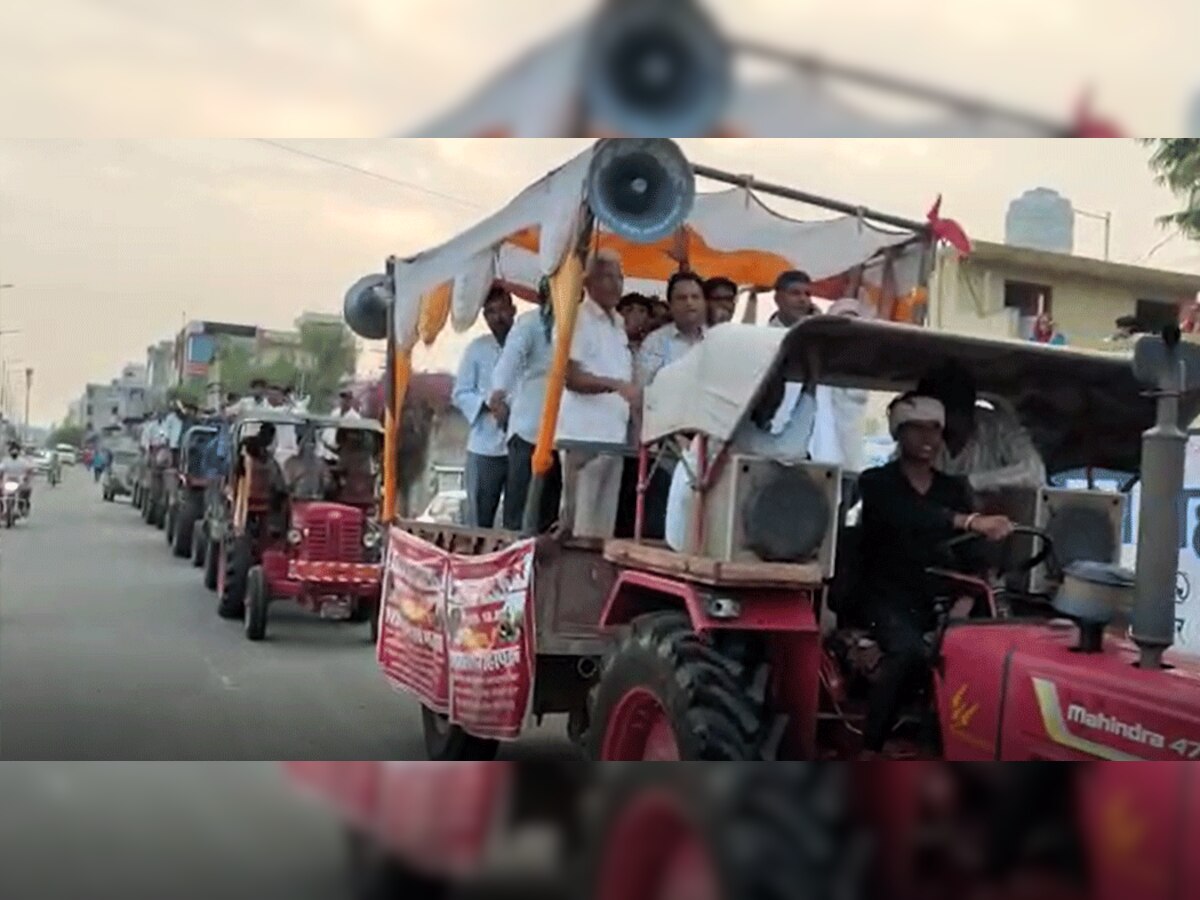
<point x="1160" y="365"/>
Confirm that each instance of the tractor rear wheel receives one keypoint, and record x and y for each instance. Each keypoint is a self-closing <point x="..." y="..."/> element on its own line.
<point x="257" y="601"/>
<point x="730" y="832"/>
<point x="170" y="520"/>
<point x="212" y="564"/>
<point x="449" y="743"/>
<point x="185" y="526"/>
<point x="668" y="693"/>
<point x="237" y="557"/>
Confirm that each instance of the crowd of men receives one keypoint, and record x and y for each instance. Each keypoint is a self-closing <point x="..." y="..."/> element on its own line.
<point x="622" y="341"/>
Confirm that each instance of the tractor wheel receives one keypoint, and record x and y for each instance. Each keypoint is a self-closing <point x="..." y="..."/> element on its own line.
<point x="667" y="693"/>
<point x="237" y="557"/>
<point x="144" y="508"/>
<point x="377" y="875"/>
<point x="170" y="519"/>
<point x="256" y="604"/>
<point x="185" y="526"/>
<point x="10" y="515"/>
<point x="212" y="563"/>
<point x="160" y="514"/>
<point x="735" y="832"/>
<point x="449" y="743"/>
<point x="135" y="499"/>
<point x="199" y="546"/>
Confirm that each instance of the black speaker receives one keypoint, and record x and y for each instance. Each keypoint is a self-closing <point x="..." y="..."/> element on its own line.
<point x="642" y="189"/>
<point x="366" y="307"/>
<point x="655" y="68"/>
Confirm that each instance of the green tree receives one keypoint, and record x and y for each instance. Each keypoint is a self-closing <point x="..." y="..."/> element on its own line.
<point x="66" y="434"/>
<point x="330" y="356"/>
<point x="235" y="365"/>
<point x="1176" y="164"/>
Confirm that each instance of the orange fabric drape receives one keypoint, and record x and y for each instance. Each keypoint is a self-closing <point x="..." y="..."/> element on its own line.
<point x="435" y="312"/>
<point x="566" y="290"/>
<point x="391" y="433"/>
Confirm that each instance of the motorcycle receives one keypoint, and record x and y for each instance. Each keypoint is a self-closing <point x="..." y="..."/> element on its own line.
<point x="10" y="502"/>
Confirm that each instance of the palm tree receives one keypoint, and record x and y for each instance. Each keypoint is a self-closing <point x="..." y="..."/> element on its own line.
<point x="1176" y="163"/>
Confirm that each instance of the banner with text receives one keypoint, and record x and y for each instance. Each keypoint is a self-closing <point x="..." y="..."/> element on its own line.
<point x="458" y="632"/>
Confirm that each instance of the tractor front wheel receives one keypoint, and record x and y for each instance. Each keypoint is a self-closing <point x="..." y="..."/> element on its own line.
<point x="668" y="693"/>
<point x="236" y="559"/>
<point x="212" y="564"/>
<point x="376" y="875"/>
<point x="199" y="546"/>
<point x="257" y="601"/>
<point x="170" y="520"/>
<point x="449" y="743"/>
<point x="185" y="525"/>
<point x="736" y="833"/>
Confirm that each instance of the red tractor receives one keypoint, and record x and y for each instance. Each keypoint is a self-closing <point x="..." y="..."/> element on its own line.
<point x="329" y="560"/>
<point x="909" y="831"/>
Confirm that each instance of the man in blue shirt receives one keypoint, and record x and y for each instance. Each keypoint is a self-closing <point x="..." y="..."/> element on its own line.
<point x="487" y="450"/>
<point x="519" y="393"/>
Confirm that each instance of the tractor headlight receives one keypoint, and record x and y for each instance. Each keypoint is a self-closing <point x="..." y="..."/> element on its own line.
<point x="294" y="537"/>
<point x="371" y="538"/>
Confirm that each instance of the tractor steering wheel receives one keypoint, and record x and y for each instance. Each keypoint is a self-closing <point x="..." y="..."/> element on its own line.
<point x="1046" y="552"/>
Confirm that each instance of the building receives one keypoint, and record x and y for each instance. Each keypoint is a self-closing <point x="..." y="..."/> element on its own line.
<point x="999" y="291"/>
<point x="124" y="399"/>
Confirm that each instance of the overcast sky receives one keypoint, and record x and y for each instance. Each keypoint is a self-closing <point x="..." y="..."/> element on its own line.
<point x="112" y="244"/>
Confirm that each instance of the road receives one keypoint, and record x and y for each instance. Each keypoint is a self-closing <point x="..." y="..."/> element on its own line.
<point x="111" y="649"/>
<point x="158" y="830"/>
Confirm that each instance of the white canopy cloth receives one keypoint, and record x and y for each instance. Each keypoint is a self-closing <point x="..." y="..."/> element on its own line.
<point x="712" y="388"/>
<point x="729" y="232"/>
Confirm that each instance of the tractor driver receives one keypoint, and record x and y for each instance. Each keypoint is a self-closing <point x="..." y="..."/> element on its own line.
<point x="354" y="473"/>
<point x="909" y="508"/>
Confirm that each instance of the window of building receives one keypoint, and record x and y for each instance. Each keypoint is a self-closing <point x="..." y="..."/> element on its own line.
<point x="1155" y="315"/>
<point x="1028" y="298"/>
<point x="89" y="409"/>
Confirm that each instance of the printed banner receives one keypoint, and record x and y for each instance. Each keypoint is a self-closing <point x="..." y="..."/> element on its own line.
<point x="490" y="630"/>
<point x="458" y="633"/>
<point x="412" y="634"/>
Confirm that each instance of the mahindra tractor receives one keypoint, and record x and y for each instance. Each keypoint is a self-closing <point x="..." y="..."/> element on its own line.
<point x="185" y="505"/>
<point x="329" y="561"/>
<point x="786" y="831"/>
<point x="745" y="643"/>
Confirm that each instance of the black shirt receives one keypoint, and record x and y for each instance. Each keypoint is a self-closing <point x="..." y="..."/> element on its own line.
<point x="902" y="530"/>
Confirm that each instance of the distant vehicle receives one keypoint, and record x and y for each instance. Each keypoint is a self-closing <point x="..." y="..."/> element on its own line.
<point x="41" y="461"/>
<point x="67" y="454"/>
<point x="446" y="508"/>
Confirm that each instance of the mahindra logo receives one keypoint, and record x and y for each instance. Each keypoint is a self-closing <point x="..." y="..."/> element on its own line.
<point x="1078" y="714"/>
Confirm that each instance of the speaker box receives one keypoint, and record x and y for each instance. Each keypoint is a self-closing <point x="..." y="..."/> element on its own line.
<point x="1085" y="526"/>
<point x="761" y="510"/>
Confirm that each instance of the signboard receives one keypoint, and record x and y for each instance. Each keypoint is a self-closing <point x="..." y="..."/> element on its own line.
<point x="457" y="632"/>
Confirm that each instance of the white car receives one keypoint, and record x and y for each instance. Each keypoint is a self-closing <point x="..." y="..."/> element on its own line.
<point x="67" y="454"/>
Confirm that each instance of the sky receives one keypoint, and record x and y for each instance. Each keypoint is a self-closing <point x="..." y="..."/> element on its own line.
<point x="112" y="245"/>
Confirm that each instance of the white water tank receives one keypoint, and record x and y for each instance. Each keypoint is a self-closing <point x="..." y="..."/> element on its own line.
<point x="1042" y="219"/>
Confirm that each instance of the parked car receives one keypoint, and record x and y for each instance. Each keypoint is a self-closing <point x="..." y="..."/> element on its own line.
<point x="67" y="454"/>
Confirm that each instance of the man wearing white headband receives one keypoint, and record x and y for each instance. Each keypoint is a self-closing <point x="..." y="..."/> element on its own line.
<point x="909" y="509"/>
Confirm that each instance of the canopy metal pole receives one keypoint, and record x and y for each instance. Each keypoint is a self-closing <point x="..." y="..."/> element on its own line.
<point x="815" y="65"/>
<point x="779" y="190"/>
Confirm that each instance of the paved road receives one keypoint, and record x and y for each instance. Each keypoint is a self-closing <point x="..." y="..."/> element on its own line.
<point x="148" y="831"/>
<point x="111" y="649"/>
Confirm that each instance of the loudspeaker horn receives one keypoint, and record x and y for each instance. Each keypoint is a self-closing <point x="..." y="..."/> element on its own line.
<point x="366" y="307"/>
<point x="656" y="68"/>
<point x="641" y="189"/>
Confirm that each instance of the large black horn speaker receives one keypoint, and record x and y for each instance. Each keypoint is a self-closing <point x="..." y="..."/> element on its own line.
<point x="366" y="307"/>
<point x="641" y="188"/>
<point x="657" y="68"/>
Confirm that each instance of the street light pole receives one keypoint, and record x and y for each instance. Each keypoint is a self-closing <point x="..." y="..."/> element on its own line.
<point x="28" y="391"/>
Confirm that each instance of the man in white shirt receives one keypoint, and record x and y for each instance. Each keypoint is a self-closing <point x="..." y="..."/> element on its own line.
<point x="689" y="316"/>
<point x="519" y="394"/>
<point x="793" y="298"/>
<point x="487" y="451"/>
<point x="689" y="320"/>
<point x="600" y="393"/>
